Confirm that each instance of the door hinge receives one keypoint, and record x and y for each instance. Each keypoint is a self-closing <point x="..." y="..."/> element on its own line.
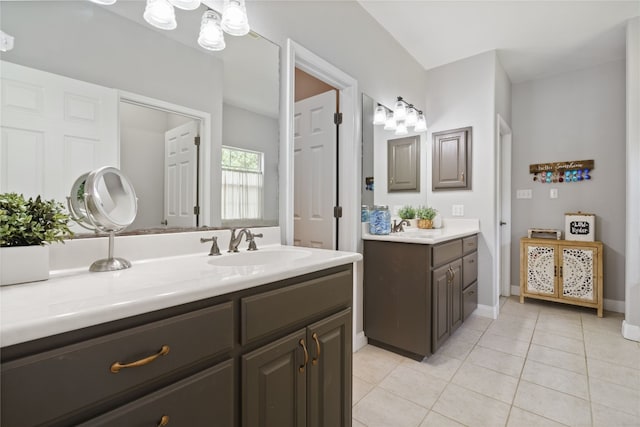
<point x="196" y="210"/>
<point x="196" y="141"/>
<point x="337" y="211"/>
<point x="337" y="118"/>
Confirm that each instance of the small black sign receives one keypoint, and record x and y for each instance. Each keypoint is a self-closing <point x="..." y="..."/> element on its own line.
<point x="579" y="227"/>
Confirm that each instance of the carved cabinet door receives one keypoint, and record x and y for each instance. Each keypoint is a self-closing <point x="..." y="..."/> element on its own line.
<point x="541" y="269"/>
<point x="578" y="270"/>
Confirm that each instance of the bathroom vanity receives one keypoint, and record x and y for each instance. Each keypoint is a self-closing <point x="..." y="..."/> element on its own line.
<point x="191" y="340"/>
<point x="419" y="287"/>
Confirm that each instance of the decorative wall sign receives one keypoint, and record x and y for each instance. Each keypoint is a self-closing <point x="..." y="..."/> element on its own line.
<point x="580" y="226"/>
<point x="559" y="172"/>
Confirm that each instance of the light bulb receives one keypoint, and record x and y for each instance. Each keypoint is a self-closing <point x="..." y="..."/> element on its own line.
<point x="186" y="4"/>
<point x="421" y="124"/>
<point x="390" y="123"/>
<point x="234" y="18"/>
<point x="412" y="116"/>
<point x="380" y="116"/>
<point x="401" y="128"/>
<point x="399" y="110"/>
<point x="211" y="36"/>
<point x="160" y="14"/>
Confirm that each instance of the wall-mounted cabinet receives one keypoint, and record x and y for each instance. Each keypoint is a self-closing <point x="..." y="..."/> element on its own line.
<point x="403" y="164"/>
<point x="452" y="160"/>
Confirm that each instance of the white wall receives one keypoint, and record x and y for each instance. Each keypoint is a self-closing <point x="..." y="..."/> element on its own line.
<point x="573" y="116"/>
<point x="462" y="94"/>
<point x="245" y="129"/>
<point x="631" y="328"/>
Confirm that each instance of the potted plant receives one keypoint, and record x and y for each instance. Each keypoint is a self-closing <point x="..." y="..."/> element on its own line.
<point x="408" y="213"/>
<point x="425" y="216"/>
<point x="26" y="226"/>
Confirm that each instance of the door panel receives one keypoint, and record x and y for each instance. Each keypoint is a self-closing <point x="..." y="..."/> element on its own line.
<point x="440" y="305"/>
<point x="455" y="291"/>
<point x="541" y="270"/>
<point x="180" y="174"/>
<point x="315" y="171"/>
<point x="578" y="273"/>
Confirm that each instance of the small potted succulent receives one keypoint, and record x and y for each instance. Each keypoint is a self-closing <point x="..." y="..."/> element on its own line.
<point x="26" y="226"/>
<point x="408" y="213"/>
<point x="425" y="216"/>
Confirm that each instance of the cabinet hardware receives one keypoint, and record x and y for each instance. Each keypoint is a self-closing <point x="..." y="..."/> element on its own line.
<point x="306" y="356"/>
<point x="115" y="368"/>
<point x="315" y="359"/>
<point x="472" y="261"/>
<point x="561" y="272"/>
<point x="164" y="421"/>
<point x="461" y="176"/>
<point x="555" y="271"/>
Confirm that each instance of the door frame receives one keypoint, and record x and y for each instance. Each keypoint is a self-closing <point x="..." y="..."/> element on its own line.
<point x="503" y="146"/>
<point x="349" y="146"/>
<point x="204" y="130"/>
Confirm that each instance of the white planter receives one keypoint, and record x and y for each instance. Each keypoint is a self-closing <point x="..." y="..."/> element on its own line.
<point x="22" y="264"/>
<point x="413" y="223"/>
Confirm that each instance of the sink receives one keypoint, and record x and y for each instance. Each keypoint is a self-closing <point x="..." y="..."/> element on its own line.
<point x="260" y="257"/>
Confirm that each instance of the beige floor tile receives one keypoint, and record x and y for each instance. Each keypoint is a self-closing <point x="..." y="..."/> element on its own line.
<point x="507" y="329"/>
<point x="457" y="348"/>
<point x="604" y="416"/>
<point x="437" y="365"/>
<point x="558" y="358"/>
<point x="615" y="396"/>
<point x="517" y="319"/>
<point x="360" y="389"/>
<point x="504" y="344"/>
<point x="526" y="310"/>
<point x="463" y="333"/>
<point x="559" y="342"/>
<point x="497" y="360"/>
<point x="566" y="329"/>
<point x="356" y="423"/>
<point x="414" y="386"/>
<point x="373" y="364"/>
<point x="471" y="408"/>
<point x="616" y="374"/>
<point x="606" y="338"/>
<point x="521" y="418"/>
<point x="558" y="406"/>
<point x="624" y="353"/>
<point x="612" y="322"/>
<point x="478" y="322"/>
<point x="381" y="408"/>
<point x="434" y="419"/>
<point x="562" y="313"/>
<point x="558" y="379"/>
<point x="486" y="381"/>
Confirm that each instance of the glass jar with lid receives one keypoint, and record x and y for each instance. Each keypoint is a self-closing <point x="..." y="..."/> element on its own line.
<point x="380" y="220"/>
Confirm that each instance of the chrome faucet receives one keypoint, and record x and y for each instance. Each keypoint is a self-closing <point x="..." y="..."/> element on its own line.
<point x="399" y="227"/>
<point x="215" y="250"/>
<point x="236" y="239"/>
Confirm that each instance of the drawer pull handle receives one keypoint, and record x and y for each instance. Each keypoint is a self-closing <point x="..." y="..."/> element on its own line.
<point x="115" y="368"/>
<point x="164" y="421"/>
<point x="306" y="356"/>
<point x="315" y="359"/>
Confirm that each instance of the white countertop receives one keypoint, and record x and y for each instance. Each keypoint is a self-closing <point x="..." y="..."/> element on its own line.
<point x="452" y="229"/>
<point x="75" y="298"/>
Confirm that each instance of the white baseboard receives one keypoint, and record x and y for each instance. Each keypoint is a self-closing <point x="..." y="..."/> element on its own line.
<point x="630" y="332"/>
<point x="490" y="311"/>
<point x="359" y="341"/>
<point x="515" y="290"/>
<point x="614" y="305"/>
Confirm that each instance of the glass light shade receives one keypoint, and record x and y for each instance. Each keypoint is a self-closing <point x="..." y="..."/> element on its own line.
<point x="380" y="116"/>
<point x="390" y="123"/>
<point x="211" y="36"/>
<point x="421" y="124"/>
<point x="160" y="14"/>
<point x="399" y="111"/>
<point x="186" y="4"/>
<point x="412" y="116"/>
<point x="103" y="2"/>
<point x="401" y="128"/>
<point x="234" y="18"/>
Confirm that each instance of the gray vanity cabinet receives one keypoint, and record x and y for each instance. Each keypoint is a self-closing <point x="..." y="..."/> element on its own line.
<point x="451" y="168"/>
<point x="447" y="301"/>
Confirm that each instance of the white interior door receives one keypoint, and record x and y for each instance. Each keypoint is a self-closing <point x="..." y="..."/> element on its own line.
<point x="504" y="198"/>
<point x="315" y="171"/>
<point x="180" y="175"/>
<point x="51" y="123"/>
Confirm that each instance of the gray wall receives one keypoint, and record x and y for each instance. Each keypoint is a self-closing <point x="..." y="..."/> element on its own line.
<point x="573" y="116"/>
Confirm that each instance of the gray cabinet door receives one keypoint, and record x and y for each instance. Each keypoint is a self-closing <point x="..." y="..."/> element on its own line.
<point x="329" y="371"/>
<point x="455" y="291"/>
<point x="441" y="279"/>
<point x="403" y="164"/>
<point x="452" y="160"/>
<point x="274" y="383"/>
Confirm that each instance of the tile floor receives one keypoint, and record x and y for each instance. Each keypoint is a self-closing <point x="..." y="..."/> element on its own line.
<point x="538" y="364"/>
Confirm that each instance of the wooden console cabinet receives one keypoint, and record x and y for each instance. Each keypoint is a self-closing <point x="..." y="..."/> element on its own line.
<point x="563" y="271"/>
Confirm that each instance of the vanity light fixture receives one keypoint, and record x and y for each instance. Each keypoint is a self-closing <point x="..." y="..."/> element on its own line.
<point x="6" y="42"/>
<point x="400" y="110"/>
<point x="390" y="123"/>
<point x="401" y="128"/>
<point x="211" y="36"/>
<point x="234" y="18"/>
<point x="160" y="14"/>
<point x="104" y="2"/>
<point x="186" y="4"/>
<point x="403" y="117"/>
<point x="421" y="123"/>
<point x="412" y="116"/>
<point x="380" y="115"/>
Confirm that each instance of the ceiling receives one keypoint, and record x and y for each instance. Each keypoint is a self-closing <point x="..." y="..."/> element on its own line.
<point x="534" y="39"/>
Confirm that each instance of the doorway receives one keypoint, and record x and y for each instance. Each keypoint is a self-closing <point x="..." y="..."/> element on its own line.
<point x="503" y="208"/>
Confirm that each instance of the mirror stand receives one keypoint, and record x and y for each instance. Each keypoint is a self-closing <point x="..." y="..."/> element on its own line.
<point x="110" y="263"/>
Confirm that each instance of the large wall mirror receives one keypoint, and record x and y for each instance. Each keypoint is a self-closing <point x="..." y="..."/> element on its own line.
<point x="87" y="86"/>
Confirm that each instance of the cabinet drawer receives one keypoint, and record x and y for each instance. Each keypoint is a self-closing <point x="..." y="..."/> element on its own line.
<point x="469" y="269"/>
<point x="204" y="399"/>
<point x="469" y="300"/>
<point x="63" y="380"/>
<point x="273" y="311"/>
<point x="446" y="252"/>
<point x="469" y="244"/>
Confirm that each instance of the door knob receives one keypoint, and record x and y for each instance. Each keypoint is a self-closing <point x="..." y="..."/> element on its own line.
<point x="503" y="223"/>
